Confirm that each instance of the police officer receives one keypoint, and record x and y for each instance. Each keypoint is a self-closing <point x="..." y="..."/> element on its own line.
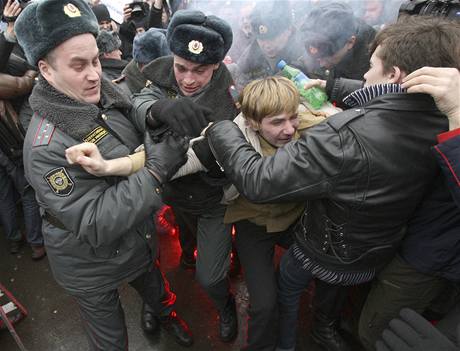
<point x="97" y="229"/>
<point x="187" y="90"/>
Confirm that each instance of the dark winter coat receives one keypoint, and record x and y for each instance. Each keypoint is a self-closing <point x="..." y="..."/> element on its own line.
<point x="97" y="230"/>
<point x="362" y="172"/>
<point x="198" y="192"/>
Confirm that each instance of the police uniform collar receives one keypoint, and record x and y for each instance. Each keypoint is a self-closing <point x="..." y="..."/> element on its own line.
<point x="75" y="118"/>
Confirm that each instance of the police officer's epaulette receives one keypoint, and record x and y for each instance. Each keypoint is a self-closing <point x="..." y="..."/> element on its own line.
<point x="44" y="133"/>
<point x="119" y="79"/>
<point x="341" y="119"/>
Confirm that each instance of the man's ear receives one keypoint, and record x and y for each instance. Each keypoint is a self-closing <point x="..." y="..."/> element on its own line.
<point x="396" y="75"/>
<point x="44" y="68"/>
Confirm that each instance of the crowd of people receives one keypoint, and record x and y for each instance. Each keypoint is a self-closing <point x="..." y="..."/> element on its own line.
<point x="185" y="104"/>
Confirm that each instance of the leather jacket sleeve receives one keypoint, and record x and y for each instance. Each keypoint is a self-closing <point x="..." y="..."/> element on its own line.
<point x="308" y="168"/>
<point x="338" y="89"/>
<point x="11" y="86"/>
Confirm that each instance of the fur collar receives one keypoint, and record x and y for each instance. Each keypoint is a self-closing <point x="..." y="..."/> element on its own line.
<point x="73" y="117"/>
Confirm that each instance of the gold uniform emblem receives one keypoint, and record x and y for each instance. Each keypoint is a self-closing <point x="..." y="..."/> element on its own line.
<point x="59" y="181"/>
<point x="195" y="47"/>
<point x="263" y="29"/>
<point x="72" y="11"/>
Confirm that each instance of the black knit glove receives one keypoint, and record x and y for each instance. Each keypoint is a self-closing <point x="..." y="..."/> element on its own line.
<point x="183" y="116"/>
<point x="413" y="333"/>
<point x="164" y="159"/>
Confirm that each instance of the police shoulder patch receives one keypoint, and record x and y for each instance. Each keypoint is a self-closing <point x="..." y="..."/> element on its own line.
<point x="44" y="133"/>
<point x="59" y="181"/>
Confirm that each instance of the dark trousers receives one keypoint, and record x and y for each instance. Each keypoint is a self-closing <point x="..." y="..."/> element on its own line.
<point x="292" y="281"/>
<point x="187" y="232"/>
<point x="398" y="285"/>
<point x="214" y="244"/>
<point x="256" y="249"/>
<point x="103" y="316"/>
<point x="9" y="190"/>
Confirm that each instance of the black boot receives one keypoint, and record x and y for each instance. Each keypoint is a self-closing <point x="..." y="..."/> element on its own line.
<point x="149" y="321"/>
<point x="228" y="321"/>
<point x="325" y="333"/>
<point x="177" y="328"/>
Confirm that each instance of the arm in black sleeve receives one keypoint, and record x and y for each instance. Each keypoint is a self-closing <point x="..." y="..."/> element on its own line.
<point x="307" y="168"/>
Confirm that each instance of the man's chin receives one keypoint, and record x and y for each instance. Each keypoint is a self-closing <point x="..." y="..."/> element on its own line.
<point x="93" y="98"/>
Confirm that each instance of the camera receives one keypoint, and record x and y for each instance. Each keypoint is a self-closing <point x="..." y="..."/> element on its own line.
<point x="443" y="8"/>
<point x="139" y="8"/>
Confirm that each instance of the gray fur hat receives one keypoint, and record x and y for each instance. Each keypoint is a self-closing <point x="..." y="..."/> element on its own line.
<point x="107" y="41"/>
<point x="199" y="38"/>
<point x="44" y="25"/>
<point x="150" y="45"/>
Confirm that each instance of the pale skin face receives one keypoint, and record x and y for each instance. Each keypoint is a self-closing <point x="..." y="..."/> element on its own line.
<point x="277" y="130"/>
<point x="191" y="77"/>
<point x="75" y="69"/>
<point x="376" y="73"/>
<point x="329" y="62"/>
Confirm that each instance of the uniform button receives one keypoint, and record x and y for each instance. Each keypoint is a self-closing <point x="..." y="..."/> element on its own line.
<point x="344" y="246"/>
<point x="324" y="249"/>
<point x="158" y="190"/>
<point x="190" y="197"/>
<point x="104" y="117"/>
<point x="117" y="252"/>
<point x="148" y="236"/>
<point x="325" y="243"/>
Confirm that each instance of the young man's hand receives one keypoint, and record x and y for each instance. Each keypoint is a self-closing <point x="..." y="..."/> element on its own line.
<point x="10" y="13"/>
<point x="441" y="83"/>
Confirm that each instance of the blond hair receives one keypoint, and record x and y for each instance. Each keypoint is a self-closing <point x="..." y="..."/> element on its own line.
<point x="268" y="97"/>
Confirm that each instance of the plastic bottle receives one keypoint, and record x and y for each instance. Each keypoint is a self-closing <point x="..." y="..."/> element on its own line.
<point x="315" y="96"/>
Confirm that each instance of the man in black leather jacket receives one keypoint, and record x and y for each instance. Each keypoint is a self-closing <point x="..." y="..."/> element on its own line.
<point x="362" y="172"/>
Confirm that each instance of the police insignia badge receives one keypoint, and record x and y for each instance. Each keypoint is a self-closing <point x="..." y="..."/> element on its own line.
<point x="71" y="10"/>
<point x="59" y="181"/>
<point x="195" y="47"/>
<point x="263" y="29"/>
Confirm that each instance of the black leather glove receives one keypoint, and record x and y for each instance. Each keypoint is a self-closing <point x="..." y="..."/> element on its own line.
<point x="207" y="159"/>
<point x="413" y="333"/>
<point x="183" y="116"/>
<point x="164" y="159"/>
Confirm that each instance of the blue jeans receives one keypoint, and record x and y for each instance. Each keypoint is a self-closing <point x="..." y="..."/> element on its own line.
<point x="292" y="281"/>
<point x="9" y="189"/>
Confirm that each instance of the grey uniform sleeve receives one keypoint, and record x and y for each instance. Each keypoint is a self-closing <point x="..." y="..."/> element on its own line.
<point x="142" y="103"/>
<point x="308" y="168"/>
<point x="97" y="210"/>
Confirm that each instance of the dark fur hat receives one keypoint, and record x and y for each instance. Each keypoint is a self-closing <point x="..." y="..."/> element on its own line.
<point x="107" y="42"/>
<point x="150" y="45"/>
<point x="43" y="25"/>
<point x="328" y="27"/>
<point x="199" y="38"/>
<point x="270" y="19"/>
<point x="102" y="13"/>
